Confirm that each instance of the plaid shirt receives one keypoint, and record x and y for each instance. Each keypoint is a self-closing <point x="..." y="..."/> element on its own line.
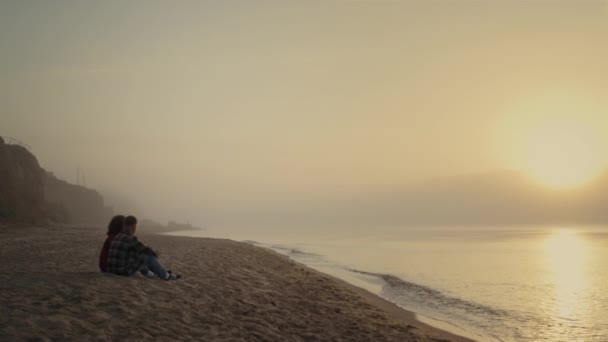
<point x="126" y="254"/>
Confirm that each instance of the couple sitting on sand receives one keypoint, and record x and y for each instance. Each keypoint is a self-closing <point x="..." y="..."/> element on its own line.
<point x="123" y="254"/>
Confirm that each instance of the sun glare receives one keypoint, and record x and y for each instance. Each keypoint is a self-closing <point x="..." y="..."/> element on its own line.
<point x="567" y="255"/>
<point x="563" y="153"/>
<point x="557" y="141"/>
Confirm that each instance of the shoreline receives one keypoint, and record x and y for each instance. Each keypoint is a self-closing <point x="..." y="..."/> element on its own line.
<point x="401" y="314"/>
<point x="431" y="326"/>
<point x="392" y="309"/>
<point x="52" y="290"/>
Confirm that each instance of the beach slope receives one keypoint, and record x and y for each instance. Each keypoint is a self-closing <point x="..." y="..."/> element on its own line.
<point x="50" y="289"/>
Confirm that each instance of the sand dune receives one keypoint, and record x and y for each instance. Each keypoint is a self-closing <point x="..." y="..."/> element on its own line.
<point x="50" y="289"/>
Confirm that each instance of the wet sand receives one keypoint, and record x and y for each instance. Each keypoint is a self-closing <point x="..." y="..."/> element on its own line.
<point x="50" y="289"/>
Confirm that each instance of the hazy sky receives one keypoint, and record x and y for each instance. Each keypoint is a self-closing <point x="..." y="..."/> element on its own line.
<point x="196" y="107"/>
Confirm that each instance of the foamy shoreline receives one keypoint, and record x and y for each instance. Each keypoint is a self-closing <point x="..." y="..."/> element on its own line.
<point x="51" y="290"/>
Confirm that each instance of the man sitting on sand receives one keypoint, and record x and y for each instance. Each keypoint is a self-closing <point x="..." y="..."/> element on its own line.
<point x="127" y="255"/>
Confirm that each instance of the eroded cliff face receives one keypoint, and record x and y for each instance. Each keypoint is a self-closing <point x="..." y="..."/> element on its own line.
<point x="75" y="203"/>
<point x="21" y="184"/>
<point x="30" y="194"/>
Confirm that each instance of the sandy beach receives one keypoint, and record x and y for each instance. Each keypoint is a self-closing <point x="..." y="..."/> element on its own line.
<point x="51" y="289"/>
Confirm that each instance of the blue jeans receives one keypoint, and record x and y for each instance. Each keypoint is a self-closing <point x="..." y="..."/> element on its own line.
<point x="151" y="264"/>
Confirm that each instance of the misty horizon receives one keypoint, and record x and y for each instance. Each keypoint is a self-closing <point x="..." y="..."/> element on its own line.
<point x="211" y="112"/>
<point x="493" y="198"/>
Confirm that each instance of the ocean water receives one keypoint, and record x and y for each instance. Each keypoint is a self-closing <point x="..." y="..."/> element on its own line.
<point x="488" y="283"/>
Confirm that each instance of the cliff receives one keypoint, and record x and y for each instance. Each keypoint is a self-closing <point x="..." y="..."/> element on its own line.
<point x="81" y="205"/>
<point x="28" y="193"/>
<point x="21" y="184"/>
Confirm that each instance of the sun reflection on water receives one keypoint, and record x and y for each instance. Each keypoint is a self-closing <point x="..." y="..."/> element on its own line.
<point x="567" y="255"/>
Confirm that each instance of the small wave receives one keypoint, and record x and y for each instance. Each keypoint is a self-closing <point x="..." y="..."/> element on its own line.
<point x="418" y="298"/>
<point x="296" y="251"/>
<point x="477" y="320"/>
<point x="488" y="322"/>
<point x="293" y="251"/>
<point x="253" y="242"/>
<point x="397" y="287"/>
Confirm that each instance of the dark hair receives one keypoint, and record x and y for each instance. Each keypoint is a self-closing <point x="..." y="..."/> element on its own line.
<point x="130" y="221"/>
<point x="116" y="224"/>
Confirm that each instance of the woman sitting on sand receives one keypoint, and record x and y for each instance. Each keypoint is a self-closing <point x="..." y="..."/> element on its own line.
<point x="126" y="255"/>
<point x="114" y="227"/>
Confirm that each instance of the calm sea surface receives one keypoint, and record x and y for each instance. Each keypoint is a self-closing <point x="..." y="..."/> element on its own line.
<point x="492" y="284"/>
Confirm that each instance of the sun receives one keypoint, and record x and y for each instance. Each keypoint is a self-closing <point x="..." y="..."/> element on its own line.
<point x="559" y="142"/>
<point x="562" y="153"/>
